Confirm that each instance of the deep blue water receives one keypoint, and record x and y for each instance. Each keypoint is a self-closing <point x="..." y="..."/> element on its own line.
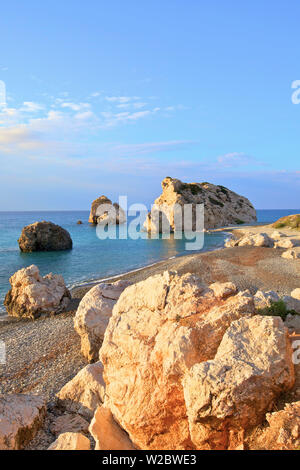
<point x="91" y="258"/>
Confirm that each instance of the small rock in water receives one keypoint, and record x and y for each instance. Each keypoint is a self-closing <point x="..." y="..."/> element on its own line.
<point x="44" y="236"/>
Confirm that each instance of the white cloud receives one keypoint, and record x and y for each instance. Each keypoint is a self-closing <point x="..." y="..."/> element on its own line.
<point x="75" y="106"/>
<point x="31" y="107"/>
<point x="234" y="159"/>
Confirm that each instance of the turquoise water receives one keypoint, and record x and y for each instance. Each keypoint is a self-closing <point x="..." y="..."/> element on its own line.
<point x="91" y="258"/>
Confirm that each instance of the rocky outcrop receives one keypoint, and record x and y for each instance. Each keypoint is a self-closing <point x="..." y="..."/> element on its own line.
<point x="250" y="239"/>
<point x="107" y="433"/>
<point x="159" y="329"/>
<point x="85" y="392"/>
<point x="32" y="295"/>
<point x="71" y="441"/>
<point x="283" y="430"/>
<point x="274" y="240"/>
<point x="231" y="393"/>
<point x="44" y="236"/>
<point x="291" y="221"/>
<point x="93" y="315"/>
<point x="222" y="207"/>
<point x="103" y="211"/>
<point x="21" y="416"/>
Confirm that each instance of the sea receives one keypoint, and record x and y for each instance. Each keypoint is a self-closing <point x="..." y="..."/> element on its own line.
<point x="91" y="258"/>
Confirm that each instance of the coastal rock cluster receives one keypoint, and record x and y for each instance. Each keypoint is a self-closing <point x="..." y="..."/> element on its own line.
<point x="32" y="295"/>
<point x="188" y="369"/>
<point x="183" y="365"/>
<point x="222" y="207"/>
<point x="103" y="211"/>
<point x="44" y="236"/>
<point x="276" y="239"/>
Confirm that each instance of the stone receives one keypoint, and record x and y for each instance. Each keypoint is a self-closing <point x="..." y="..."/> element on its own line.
<point x="103" y="211"/>
<point x="69" y="423"/>
<point x="159" y="329"/>
<point x="71" y="441"/>
<point x="223" y="290"/>
<point x="85" y="392"/>
<point x="21" y="416"/>
<point x="291" y="303"/>
<point x="259" y="239"/>
<point x="276" y="235"/>
<point x="282" y="432"/>
<point x="107" y="433"/>
<point x="44" y="236"/>
<point x="292" y="322"/>
<point x="287" y="243"/>
<point x="293" y="253"/>
<point x="222" y="207"/>
<point x="265" y="299"/>
<point x="93" y="314"/>
<point x="296" y="293"/>
<point x="32" y="295"/>
<point x="232" y="392"/>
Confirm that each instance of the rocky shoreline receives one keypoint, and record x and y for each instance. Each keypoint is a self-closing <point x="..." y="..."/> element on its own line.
<point x="50" y="348"/>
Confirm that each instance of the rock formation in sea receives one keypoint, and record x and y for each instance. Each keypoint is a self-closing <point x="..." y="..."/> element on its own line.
<point x="44" y="236"/>
<point x="32" y="295"/>
<point x="103" y="211"/>
<point x="222" y="207"/>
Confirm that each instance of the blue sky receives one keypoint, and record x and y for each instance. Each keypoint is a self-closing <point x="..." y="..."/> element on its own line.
<point x="111" y="97"/>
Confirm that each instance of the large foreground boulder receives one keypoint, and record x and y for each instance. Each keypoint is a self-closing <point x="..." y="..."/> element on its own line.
<point x="159" y="329"/>
<point x="85" y="392"/>
<point x="222" y="207"/>
<point x="44" y="236"/>
<point x="188" y="366"/>
<point x="93" y="315"/>
<point x="32" y="295"/>
<point x="103" y="211"/>
<point x="21" y="416"/>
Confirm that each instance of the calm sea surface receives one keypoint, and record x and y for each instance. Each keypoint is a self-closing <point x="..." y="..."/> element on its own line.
<point x="91" y="258"/>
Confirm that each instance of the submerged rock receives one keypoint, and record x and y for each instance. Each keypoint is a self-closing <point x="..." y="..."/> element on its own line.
<point x="222" y="207"/>
<point x="32" y="295"/>
<point x="21" y="416"/>
<point x="44" y="236"/>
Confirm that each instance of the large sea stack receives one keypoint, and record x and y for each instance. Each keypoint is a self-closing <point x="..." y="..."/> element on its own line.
<point x="222" y="207"/>
<point x="103" y="211"/>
